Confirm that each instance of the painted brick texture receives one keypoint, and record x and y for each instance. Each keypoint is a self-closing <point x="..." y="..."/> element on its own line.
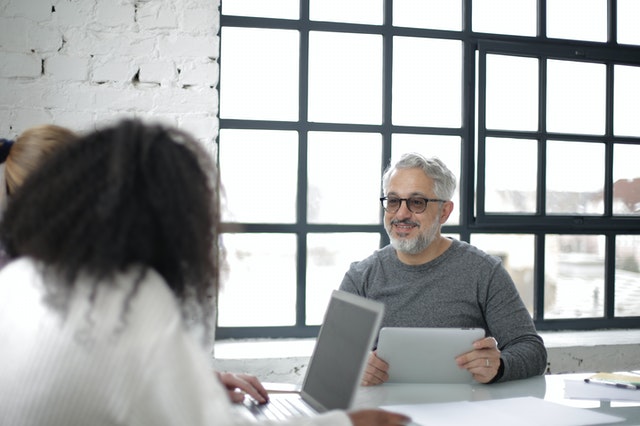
<point x="86" y="63"/>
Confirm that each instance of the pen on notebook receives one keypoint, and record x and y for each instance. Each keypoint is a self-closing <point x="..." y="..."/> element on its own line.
<point x="615" y="384"/>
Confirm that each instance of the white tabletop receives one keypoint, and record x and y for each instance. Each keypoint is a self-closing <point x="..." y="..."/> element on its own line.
<point x="550" y="388"/>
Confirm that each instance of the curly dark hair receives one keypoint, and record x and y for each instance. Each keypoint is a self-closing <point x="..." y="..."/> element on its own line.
<point x="128" y="194"/>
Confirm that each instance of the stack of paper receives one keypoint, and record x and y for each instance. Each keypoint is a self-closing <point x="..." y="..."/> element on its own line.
<point x="604" y="387"/>
<point x="621" y="380"/>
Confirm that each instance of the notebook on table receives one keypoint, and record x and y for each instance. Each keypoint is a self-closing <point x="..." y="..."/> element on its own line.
<point x="336" y="365"/>
<point x="426" y="355"/>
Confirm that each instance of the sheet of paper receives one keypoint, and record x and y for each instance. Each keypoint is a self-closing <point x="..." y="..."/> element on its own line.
<point x="578" y="389"/>
<point x="526" y="411"/>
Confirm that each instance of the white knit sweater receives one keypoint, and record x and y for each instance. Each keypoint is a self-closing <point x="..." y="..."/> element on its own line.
<point x="99" y="365"/>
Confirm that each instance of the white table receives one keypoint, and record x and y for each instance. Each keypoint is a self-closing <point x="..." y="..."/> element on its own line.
<point x="549" y="388"/>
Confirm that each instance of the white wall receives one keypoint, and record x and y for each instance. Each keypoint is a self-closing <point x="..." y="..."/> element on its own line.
<point x="85" y="63"/>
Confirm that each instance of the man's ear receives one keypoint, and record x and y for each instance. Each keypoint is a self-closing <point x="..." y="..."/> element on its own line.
<point x="445" y="212"/>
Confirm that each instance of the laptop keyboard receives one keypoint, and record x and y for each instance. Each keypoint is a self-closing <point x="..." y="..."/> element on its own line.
<point x="280" y="409"/>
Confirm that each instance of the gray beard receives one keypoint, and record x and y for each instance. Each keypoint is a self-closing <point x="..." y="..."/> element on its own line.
<point x="416" y="245"/>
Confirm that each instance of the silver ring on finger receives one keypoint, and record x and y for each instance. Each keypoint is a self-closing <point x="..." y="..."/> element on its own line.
<point x="486" y="360"/>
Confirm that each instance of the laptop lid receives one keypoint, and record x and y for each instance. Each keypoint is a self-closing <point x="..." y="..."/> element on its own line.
<point x="339" y="357"/>
<point x="426" y="355"/>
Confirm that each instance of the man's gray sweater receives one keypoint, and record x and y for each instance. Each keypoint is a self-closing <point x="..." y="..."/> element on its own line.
<point x="463" y="287"/>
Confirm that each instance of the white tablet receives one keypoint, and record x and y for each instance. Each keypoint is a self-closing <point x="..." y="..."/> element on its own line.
<point x="426" y="355"/>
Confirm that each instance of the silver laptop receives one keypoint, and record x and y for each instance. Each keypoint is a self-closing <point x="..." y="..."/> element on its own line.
<point x="426" y="355"/>
<point x="336" y="366"/>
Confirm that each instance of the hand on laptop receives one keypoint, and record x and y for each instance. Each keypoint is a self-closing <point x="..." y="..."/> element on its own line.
<point x="240" y="384"/>
<point x="376" y="371"/>
<point x="483" y="361"/>
<point x="377" y="418"/>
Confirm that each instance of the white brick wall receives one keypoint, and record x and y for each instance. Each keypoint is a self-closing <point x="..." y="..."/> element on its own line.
<point x="86" y="63"/>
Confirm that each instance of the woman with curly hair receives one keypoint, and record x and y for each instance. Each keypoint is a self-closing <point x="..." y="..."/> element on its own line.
<point x="115" y="246"/>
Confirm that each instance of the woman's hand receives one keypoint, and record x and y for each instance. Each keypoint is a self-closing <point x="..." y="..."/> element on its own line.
<point x="239" y="385"/>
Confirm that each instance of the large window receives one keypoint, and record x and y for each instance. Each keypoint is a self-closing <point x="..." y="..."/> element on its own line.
<point x="534" y="105"/>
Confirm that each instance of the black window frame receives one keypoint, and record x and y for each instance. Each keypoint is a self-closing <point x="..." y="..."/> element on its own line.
<point x="471" y="179"/>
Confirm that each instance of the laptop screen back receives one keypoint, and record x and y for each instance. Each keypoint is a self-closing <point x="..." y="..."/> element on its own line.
<point x="343" y="345"/>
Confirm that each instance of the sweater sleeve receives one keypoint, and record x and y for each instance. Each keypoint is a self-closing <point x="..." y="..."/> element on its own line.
<point x="349" y="283"/>
<point x="523" y="351"/>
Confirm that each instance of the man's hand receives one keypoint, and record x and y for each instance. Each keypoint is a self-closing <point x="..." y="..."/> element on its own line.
<point x="240" y="384"/>
<point x="376" y="371"/>
<point x="483" y="361"/>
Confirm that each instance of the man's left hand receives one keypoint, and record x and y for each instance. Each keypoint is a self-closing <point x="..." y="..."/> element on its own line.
<point x="483" y="362"/>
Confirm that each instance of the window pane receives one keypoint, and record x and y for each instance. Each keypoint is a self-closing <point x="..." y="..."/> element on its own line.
<point x="344" y="177"/>
<point x="576" y="97"/>
<point x="259" y="74"/>
<point x="345" y="78"/>
<point x="512" y="93"/>
<point x="258" y="173"/>
<point x="628" y="28"/>
<point x="446" y="148"/>
<point x="328" y="258"/>
<point x="577" y="19"/>
<point x="575" y="177"/>
<point x="511" y="175"/>
<point x="286" y="9"/>
<point x="574" y="276"/>
<point x="356" y="11"/>
<point x="259" y="283"/>
<point x="517" y="254"/>
<point x="626" y="179"/>
<point x="435" y="14"/>
<point x="627" y="299"/>
<point x="517" y="17"/>
<point x="625" y="100"/>
<point x="427" y="82"/>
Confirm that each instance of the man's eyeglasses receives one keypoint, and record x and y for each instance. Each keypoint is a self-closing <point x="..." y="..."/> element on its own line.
<point x="414" y="204"/>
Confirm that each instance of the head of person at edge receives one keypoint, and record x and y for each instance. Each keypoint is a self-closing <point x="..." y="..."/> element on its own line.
<point x="427" y="280"/>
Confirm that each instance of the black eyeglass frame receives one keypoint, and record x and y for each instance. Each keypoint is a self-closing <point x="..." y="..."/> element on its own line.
<point x="406" y="202"/>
